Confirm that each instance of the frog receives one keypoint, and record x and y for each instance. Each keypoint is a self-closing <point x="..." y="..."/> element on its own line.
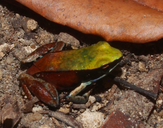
<point x="67" y="69"/>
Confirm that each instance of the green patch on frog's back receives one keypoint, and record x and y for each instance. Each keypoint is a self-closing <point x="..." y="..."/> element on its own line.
<point x="87" y="58"/>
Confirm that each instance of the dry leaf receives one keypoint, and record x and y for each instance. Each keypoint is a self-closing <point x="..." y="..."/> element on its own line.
<point x="156" y="4"/>
<point x="10" y="112"/>
<point x="121" y="20"/>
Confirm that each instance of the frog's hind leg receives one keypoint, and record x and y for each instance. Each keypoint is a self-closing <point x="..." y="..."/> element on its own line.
<point x="39" y="52"/>
<point x="38" y="87"/>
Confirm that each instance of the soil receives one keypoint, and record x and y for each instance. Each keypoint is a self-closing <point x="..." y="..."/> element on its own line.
<point x="22" y="31"/>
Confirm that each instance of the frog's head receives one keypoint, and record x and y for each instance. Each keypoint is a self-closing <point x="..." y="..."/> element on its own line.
<point x="102" y="54"/>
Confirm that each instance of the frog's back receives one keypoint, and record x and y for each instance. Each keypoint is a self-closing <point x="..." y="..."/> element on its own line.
<point x="87" y="58"/>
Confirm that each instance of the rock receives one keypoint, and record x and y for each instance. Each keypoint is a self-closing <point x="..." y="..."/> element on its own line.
<point x="30" y="25"/>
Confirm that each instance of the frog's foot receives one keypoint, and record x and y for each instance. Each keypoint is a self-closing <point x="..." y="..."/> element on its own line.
<point x="79" y="99"/>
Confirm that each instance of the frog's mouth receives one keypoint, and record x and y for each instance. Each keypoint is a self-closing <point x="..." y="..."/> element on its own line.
<point x="108" y="68"/>
<point x="111" y="66"/>
<point x="103" y="71"/>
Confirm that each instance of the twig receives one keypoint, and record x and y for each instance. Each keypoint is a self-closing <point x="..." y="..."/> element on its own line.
<point x="135" y="88"/>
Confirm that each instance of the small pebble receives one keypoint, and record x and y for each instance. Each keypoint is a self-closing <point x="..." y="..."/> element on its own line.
<point x="37" y="108"/>
<point x="35" y="116"/>
<point x="64" y="110"/>
<point x="97" y="106"/>
<point x="160" y="101"/>
<point x="31" y="24"/>
<point x="142" y="67"/>
<point x="9" y="60"/>
<point x="91" y="100"/>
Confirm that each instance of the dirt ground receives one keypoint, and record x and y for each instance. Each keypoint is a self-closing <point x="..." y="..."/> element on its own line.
<point x="22" y="31"/>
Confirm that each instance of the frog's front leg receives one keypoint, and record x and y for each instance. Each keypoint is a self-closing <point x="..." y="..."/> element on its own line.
<point x="79" y="99"/>
<point x="83" y="99"/>
<point x="42" y="90"/>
